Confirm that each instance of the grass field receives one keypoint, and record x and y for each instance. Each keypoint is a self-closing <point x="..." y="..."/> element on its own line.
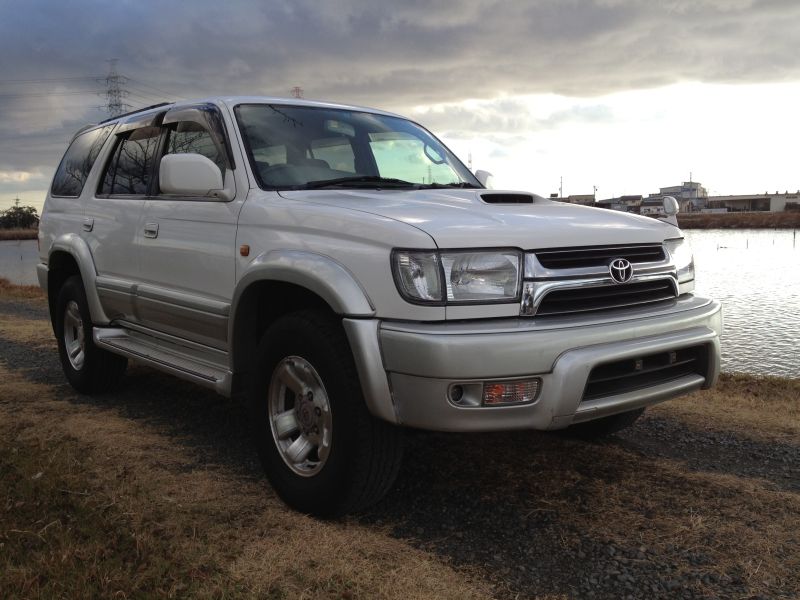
<point x="18" y="234"/>
<point x="153" y="491"/>
<point x="749" y="220"/>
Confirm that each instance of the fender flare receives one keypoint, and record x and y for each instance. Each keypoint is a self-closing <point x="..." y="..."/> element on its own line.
<point x="75" y="246"/>
<point x="320" y="274"/>
<point x="338" y="287"/>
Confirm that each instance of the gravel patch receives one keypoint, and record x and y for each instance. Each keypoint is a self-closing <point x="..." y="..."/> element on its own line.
<point x="716" y="451"/>
<point x="24" y="309"/>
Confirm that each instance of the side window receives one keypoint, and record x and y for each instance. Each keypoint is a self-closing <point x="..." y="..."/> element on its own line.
<point x="130" y="168"/>
<point x="188" y="137"/>
<point x="78" y="161"/>
<point x="337" y="152"/>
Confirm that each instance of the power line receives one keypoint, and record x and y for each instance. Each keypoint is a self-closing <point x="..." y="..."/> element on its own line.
<point x="152" y="87"/>
<point x="115" y="92"/>
<point x="48" y="94"/>
<point x="49" y="80"/>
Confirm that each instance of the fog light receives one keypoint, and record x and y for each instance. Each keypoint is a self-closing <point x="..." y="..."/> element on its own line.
<point x="456" y="393"/>
<point x="510" y="392"/>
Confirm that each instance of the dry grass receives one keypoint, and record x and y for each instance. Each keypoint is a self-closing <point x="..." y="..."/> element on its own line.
<point x="750" y="220"/>
<point x="757" y="406"/>
<point x="95" y="505"/>
<point x="35" y="332"/>
<point x="19" y="292"/>
<point x="18" y="234"/>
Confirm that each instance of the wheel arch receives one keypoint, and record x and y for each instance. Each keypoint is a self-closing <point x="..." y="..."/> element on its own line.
<point x="280" y="281"/>
<point x="70" y="255"/>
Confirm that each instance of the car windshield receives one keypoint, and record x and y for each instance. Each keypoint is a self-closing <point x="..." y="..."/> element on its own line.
<point x="294" y="147"/>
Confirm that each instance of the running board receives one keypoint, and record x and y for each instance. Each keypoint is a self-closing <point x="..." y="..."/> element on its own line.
<point x="189" y="364"/>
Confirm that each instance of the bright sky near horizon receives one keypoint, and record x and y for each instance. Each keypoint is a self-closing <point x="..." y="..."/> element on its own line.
<point x="624" y="95"/>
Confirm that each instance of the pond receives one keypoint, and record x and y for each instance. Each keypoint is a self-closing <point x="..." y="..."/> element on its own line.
<point x="755" y="273"/>
<point x="18" y="260"/>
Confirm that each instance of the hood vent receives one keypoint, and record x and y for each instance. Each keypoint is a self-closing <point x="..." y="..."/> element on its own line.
<point x="507" y="198"/>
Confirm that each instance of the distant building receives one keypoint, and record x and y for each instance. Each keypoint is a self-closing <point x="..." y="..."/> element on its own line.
<point x="622" y="203"/>
<point x="653" y="206"/>
<point x="776" y="202"/>
<point x="691" y="196"/>
<point x="584" y="199"/>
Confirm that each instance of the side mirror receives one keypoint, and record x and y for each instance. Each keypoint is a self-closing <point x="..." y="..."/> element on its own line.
<point x="485" y="178"/>
<point x="671" y="208"/>
<point x="191" y="175"/>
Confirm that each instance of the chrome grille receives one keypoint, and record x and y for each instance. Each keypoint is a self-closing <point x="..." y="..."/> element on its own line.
<point x="567" y="301"/>
<point x="595" y="256"/>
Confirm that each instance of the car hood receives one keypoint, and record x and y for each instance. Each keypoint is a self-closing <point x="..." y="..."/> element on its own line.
<point x="457" y="218"/>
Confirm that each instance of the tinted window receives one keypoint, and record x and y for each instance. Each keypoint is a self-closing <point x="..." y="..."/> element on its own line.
<point x="78" y="161"/>
<point x="406" y="157"/>
<point x="295" y="147"/>
<point x="337" y="152"/>
<point x="192" y="138"/>
<point x="130" y="169"/>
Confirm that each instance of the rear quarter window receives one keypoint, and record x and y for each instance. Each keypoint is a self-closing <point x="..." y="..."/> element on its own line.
<point x="131" y="167"/>
<point x="77" y="162"/>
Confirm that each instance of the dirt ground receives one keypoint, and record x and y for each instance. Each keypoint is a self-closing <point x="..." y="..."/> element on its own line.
<point x="154" y="491"/>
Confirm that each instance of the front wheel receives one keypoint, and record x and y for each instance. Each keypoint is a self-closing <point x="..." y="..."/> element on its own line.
<point x="321" y="449"/>
<point x="88" y="369"/>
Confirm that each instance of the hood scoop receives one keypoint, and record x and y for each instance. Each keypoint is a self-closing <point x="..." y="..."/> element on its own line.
<point x="505" y="198"/>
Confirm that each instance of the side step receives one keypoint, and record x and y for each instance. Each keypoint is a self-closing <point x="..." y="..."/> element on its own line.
<point x="204" y="368"/>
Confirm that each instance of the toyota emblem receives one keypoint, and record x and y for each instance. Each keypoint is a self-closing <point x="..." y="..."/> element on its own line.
<point x="621" y="270"/>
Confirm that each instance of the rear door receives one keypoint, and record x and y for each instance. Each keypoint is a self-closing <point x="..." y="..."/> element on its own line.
<point x="187" y="245"/>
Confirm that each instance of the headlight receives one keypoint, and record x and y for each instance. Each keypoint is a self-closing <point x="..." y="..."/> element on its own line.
<point x="459" y="276"/>
<point x="681" y="252"/>
<point x="418" y="276"/>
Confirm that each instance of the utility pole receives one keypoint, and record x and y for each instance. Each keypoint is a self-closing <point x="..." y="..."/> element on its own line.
<point x="561" y="187"/>
<point x="115" y="92"/>
<point x="296" y="92"/>
<point x="469" y="160"/>
<point x="594" y="192"/>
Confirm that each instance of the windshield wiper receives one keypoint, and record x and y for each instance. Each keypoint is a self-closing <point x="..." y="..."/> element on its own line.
<point x="442" y="186"/>
<point x="370" y="180"/>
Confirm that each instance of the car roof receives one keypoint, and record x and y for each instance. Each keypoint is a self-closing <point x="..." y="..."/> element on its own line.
<point x="233" y="101"/>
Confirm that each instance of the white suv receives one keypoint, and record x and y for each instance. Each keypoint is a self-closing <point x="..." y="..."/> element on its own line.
<point x="344" y="272"/>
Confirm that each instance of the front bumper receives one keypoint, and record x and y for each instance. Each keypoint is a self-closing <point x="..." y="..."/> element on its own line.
<point x="422" y="361"/>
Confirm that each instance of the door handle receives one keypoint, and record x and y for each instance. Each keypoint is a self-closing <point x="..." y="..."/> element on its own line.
<point x="88" y="224"/>
<point x="151" y="230"/>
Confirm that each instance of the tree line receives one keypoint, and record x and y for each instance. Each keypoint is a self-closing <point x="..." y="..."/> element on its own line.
<point x="19" y="217"/>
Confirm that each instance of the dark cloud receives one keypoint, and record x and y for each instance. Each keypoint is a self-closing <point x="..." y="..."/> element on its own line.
<point x="394" y="55"/>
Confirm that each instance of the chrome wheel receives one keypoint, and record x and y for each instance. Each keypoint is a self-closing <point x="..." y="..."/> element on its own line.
<point x="300" y="416"/>
<point x="74" y="335"/>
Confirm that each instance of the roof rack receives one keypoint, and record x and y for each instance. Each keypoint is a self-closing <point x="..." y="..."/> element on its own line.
<point x="133" y="112"/>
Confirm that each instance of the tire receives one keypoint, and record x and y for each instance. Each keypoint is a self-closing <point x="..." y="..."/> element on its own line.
<point x="88" y="369"/>
<point x="606" y="426"/>
<point x="324" y="453"/>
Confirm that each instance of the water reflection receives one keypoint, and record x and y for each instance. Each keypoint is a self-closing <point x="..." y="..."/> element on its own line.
<point x="755" y="273"/>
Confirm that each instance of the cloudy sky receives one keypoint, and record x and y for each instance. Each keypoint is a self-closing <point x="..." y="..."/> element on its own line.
<point x="624" y="95"/>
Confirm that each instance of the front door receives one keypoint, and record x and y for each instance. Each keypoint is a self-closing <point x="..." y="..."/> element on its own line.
<point x="187" y="244"/>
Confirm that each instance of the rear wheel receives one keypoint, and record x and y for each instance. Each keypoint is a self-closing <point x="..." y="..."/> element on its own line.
<point x="321" y="449"/>
<point x="88" y="369"/>
<point x="605" y="426"/>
